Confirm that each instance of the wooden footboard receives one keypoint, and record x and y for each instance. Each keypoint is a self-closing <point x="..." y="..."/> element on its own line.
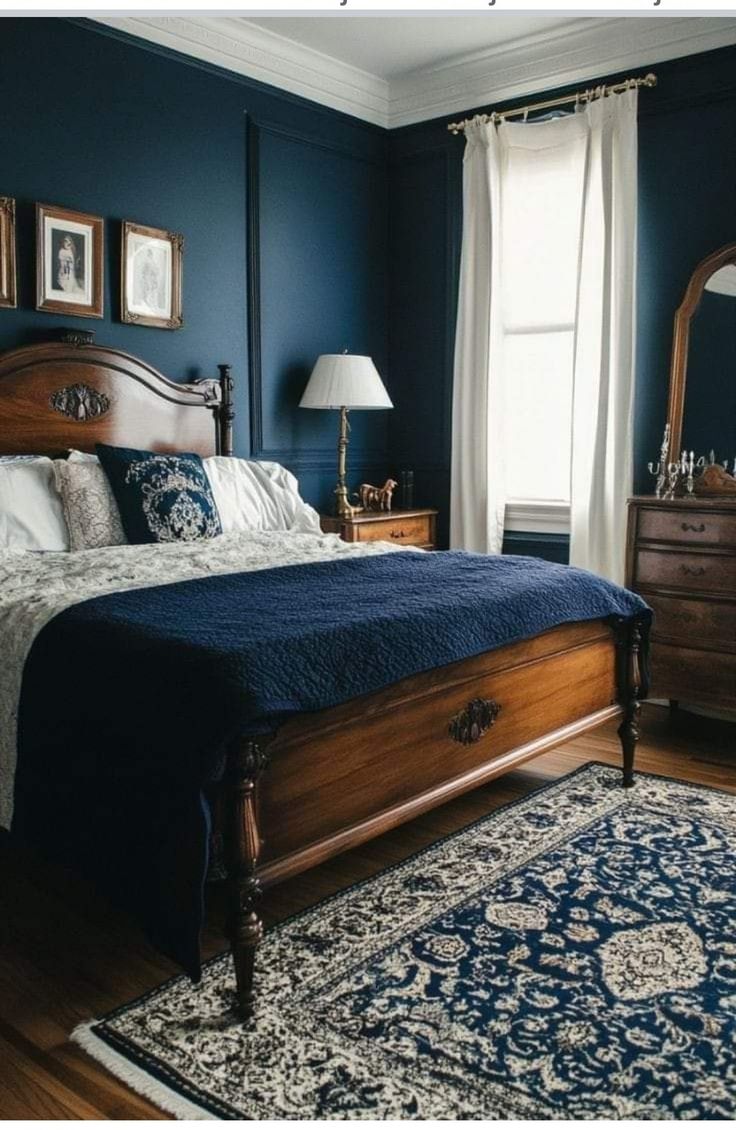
<point x="341" y="776"/>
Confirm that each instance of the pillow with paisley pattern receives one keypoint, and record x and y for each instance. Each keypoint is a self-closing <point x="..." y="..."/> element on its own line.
<point x="161" y="497"/>
<point x="89" y="506"/>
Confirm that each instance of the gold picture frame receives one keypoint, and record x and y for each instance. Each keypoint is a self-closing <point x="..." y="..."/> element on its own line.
<point x="8" y="278"/>
<point x="151" y="276"/>
<point x="70" y="250"/>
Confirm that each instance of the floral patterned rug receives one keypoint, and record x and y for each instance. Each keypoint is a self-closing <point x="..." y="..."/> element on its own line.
<point x="570" y="956"/>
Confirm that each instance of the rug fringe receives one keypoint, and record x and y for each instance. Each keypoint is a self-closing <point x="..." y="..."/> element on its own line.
<point x="137" y="1078"/>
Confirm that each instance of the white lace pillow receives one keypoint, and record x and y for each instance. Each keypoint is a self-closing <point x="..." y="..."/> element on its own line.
<point x="89" y="505"/>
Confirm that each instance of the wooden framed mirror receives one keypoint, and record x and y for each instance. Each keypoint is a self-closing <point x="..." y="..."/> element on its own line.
<point x="702" y="397"/>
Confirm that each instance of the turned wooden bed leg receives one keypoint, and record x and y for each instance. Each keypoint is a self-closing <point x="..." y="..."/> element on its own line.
<point x="631" y="683"/>
<point x="246" y="926"/>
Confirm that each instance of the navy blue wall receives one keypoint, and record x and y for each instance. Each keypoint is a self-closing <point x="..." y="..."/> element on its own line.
<point x="687" y="208"/>
<point x="98" y="122"/>
<point x="308" y="231"/>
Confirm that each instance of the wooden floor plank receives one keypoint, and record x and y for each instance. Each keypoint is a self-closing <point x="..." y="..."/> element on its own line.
<point x="32" y="1087"/>
<point x="66" y="956"/>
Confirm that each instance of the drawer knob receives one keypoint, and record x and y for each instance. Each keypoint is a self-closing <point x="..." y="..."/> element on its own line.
<point x="688" y="526"/>
<point x="399" y="534"/>
<point x="693" y="570"/>
<point x="474" y="721"/>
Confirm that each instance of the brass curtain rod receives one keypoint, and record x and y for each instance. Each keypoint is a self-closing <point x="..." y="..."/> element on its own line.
<point x="580" y="97"/>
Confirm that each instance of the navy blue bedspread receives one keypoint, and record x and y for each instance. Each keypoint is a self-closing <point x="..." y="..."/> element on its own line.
<point x="130" y="700"/>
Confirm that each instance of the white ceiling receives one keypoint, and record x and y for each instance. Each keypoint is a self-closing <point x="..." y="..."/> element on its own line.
<point x="390" y="46"/>
<point x="396" y="70"/>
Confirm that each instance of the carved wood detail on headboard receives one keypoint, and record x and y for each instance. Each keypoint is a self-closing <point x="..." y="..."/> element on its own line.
<point x="60" y="395"/>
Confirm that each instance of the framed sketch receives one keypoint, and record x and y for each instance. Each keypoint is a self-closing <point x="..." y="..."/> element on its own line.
<point x="69" y="258"/>
<point x="150" y="286"/>
<point x="8" y="293"/>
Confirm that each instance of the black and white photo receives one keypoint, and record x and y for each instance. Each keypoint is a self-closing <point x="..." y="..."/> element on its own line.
<point x="69" y="262"/>
<point x="151" y="276"/>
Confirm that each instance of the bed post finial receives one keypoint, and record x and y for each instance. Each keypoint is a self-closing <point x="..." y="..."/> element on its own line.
<point x="227" y="410"/>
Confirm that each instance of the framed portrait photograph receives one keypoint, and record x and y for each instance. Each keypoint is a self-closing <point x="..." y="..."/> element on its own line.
<point x="151" y="280"/>
<point x="69" y="258"/>
<point x="8" y="291"/>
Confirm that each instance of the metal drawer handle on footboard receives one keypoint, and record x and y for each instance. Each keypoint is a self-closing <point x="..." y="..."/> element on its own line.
<point x="470" y="724"/>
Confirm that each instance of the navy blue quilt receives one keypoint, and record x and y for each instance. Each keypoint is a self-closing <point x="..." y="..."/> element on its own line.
<point x="130" y="700"/>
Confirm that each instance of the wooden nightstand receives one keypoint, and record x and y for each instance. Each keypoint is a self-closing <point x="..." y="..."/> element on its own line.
<point x="402" y="527"/>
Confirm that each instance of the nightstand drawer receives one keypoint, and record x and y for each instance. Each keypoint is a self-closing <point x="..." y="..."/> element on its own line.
<point x="398" y="529"/>
<point x="696" y="527"/>
<point x="699" y="572"/>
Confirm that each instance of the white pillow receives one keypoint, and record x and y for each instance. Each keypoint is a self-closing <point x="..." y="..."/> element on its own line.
<point x="74" y="456"/>
<point x="252" y="495"/>
<point x="31" y="516"/>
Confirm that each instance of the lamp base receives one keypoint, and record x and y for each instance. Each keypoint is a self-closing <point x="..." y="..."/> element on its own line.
<point x="343" y="509"/>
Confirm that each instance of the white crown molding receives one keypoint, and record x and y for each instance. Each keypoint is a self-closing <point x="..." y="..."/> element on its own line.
<point x="583" y="49"/>
<point x="247" y="49"/>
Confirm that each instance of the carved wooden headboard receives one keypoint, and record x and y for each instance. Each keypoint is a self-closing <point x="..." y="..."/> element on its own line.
<point x="61" y="395"/>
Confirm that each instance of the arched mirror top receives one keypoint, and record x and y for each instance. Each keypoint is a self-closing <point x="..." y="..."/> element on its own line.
<point x="715" y="276"/>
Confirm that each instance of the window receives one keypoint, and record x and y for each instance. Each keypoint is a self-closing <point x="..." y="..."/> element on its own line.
<point x="540" y="242"/>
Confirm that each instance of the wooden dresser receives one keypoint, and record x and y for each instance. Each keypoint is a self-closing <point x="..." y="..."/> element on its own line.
<point x="404" y="527"/>
<point x="681" y="557"/>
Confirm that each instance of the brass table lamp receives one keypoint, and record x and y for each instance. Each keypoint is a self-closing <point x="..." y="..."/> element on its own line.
<point x="344" y="381"/>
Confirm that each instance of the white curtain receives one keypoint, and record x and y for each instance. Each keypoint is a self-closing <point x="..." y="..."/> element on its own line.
<point x="477" y="491"/>
<point x="593" y="153"/>
<point x="603" y="394"/>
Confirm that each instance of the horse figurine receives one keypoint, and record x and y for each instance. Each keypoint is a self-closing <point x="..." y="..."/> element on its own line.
<point x="377" y="498"/>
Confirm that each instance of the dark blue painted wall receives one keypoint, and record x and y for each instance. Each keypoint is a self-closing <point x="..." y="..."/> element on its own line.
<point x="99" y="122"/>
<point x="687" y="208"/>
<point x="308" y="231"/>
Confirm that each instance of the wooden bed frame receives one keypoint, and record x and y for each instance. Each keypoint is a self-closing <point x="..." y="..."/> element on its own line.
<point x="341" y="776"/>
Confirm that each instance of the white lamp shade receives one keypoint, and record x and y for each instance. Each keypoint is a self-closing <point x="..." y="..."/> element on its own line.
<point x="343" y="380"/>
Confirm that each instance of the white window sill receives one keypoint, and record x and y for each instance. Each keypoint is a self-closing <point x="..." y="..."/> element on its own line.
<point x="538" y="517"/>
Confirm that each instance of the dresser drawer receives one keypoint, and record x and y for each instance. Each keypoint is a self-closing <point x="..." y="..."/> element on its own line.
<point x="400" y="530"/>
<point x="704" y="621"/>
<point x="693" y="675"/>
<point x="696" y="527"/>
<point x="698" y="572"/>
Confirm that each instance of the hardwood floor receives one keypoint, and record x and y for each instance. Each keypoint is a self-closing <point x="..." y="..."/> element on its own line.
<point x="66" y="957"/>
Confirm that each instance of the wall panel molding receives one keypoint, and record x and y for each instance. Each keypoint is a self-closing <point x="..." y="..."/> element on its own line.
<point x="253" y="254"/>
<point x="312" y="459"/>
<point x="327" y="142"/>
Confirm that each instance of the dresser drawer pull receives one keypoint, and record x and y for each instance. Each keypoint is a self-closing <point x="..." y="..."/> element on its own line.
<point x="693" y="570"/>
<point x="474" y="721"/>
<point x="693" y="529"/>
<point x="399" y="534"/>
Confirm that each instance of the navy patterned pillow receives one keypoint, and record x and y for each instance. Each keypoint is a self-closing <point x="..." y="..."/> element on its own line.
<point x="160" y="497"/>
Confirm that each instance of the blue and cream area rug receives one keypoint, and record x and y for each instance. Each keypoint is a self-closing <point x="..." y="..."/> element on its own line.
<point x="570" y="956"/>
